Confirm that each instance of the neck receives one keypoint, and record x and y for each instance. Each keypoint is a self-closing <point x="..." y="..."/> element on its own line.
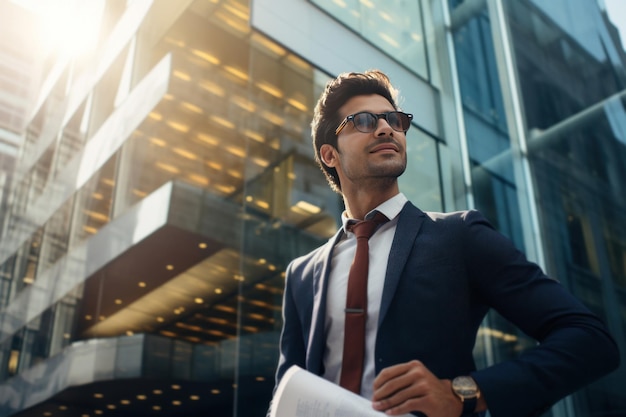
<point x="359" y="202"/>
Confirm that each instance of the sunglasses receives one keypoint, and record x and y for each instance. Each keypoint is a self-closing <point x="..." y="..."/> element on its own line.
<point x="367" y="122"/>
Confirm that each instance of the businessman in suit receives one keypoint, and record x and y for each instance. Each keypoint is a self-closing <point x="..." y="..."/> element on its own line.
<point x="432" y="278"/>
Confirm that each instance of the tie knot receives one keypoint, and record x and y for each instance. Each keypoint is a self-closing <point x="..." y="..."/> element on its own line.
<point x="365" y="228"/>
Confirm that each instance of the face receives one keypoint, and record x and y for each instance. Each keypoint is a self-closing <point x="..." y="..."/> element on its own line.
<point x="363" y="157"/>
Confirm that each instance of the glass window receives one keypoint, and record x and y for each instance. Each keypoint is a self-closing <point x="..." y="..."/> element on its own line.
<point x="394" y="26"/>
<point x="94" y="202"/>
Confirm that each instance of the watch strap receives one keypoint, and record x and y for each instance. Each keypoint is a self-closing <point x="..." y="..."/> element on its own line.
<point x="469" y="405"/>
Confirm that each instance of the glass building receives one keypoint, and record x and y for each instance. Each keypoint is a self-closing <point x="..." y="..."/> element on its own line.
<point x="166" y="179"/>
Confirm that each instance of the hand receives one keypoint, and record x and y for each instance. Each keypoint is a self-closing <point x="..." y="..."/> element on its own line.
<point x="410" y="386"/>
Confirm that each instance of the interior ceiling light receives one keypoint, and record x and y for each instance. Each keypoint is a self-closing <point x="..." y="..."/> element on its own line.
<point x="223" y="122"/>
<point x="158" y="142"/>
<point x="212" y="88"/>
<point x="155" y="116"/>
<point x="167" y="167"/>
<point x="181" y="75"/>
<point x="185" y="153"/>
<point x="192" y="107"/>
<point x="200" y="179"/>
<point x="210" y="58"/>
<point x="181" y="127"/>
<point x="264" y="42"/>
<point x="245" y="104"/>
<point x="273" y="118"/>
<point x="297" y="104"/>
<point x="211" y="140"/>
<point x="236" y="72"/>
<point x="254" y="135"/>
<point x="239" y="10"/>
<point x="270" y="89"/>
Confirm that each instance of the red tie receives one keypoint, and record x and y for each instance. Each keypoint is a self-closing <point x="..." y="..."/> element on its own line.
<point x="356" y="306"/>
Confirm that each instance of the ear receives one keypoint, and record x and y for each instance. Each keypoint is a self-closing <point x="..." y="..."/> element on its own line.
<point x="328" y="155"/>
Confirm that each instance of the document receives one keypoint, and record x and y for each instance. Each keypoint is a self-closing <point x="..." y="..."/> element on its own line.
<point x="303" y="394"/>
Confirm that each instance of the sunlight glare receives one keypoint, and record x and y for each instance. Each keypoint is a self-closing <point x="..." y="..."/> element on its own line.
<point x="67" y="27"/>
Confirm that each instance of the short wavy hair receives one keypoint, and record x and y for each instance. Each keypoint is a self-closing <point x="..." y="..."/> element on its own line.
<point x="326" y="114"/>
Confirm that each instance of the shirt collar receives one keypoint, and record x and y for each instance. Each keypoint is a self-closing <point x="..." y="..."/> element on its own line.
<point x="390" y="208"/>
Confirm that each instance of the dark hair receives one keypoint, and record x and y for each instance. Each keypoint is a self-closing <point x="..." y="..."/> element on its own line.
<point x="326" y="114"/>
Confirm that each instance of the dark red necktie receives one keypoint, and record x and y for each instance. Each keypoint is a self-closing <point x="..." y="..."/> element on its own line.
<point x="356" y="306"/>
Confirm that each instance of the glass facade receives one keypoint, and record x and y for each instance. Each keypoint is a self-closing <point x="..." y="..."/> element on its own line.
<point x="167" y="179"/>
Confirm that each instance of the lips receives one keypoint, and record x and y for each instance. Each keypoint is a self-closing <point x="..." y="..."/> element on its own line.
<point x="385" y="147"/>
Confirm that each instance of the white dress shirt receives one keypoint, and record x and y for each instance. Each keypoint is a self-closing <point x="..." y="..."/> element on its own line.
<point x="343" y="254"/>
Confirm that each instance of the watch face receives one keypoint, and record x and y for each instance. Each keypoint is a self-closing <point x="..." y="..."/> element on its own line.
<point x="464" y="386"/>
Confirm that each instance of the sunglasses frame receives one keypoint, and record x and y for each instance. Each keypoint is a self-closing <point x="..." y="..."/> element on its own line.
<point x="378" y="116"/>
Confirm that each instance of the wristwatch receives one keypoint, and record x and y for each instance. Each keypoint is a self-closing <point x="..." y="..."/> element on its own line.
<point x="466" y="389"/>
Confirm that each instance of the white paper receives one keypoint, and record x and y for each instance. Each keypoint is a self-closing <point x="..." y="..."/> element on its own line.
<point x="303" y="394"/>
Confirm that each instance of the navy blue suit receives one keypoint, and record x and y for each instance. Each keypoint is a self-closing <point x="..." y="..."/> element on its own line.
<point x="444" y="272"/>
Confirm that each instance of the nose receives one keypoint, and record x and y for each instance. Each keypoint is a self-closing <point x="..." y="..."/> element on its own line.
<point x="383" y="127"/>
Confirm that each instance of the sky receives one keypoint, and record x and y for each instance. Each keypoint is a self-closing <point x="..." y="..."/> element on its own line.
<point x="616" y="9"/>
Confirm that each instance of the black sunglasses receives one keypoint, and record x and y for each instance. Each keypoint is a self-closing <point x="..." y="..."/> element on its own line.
<point x="367" y="122"/>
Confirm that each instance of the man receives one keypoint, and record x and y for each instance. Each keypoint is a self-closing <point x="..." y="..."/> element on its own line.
<point x="432" y="279"/>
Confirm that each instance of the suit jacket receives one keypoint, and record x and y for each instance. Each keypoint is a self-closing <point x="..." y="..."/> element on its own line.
<point x="444" y="272"/>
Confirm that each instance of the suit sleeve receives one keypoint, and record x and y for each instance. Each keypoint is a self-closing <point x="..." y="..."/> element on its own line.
<point x="574" y="348"/>
<point x="292" y="344"/>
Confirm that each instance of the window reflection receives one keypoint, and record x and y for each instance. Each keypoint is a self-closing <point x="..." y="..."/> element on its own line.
<point x="393" y="26"/>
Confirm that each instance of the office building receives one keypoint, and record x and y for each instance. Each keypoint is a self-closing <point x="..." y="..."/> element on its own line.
<point x="167" y="179"/>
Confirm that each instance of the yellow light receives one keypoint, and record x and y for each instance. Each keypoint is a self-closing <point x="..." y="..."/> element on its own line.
<point x="245" y="104"/>
<point x="181" y="75"/>
<point x="158" y="142"/>
<point x="263" y="204"/>
<point x="181" y="127"/>
<point x="240" y="152"/>
<point x="254" y="135"/>
<point x="223" y="122"/>
<point x="270" y="89"/>
<point x="212" y="88"/>
<point x="167" y="167"/>
<point x="268" y="44"/>
<point x="211" y="140"/>
<point x="199" y="179"/>
<point x="185" y="153"/>
<point x="214" y="165"/>
<point x="273" y="118"/>
<point x="308" y="207"/>
<point x="155" y="116"/>
<point x="297" y="104"/>
<point x="97" y="216"/>
<point x="236" y="72"/>
<point x="261" y="162"/>
<point x="191" y="107"/>
<point x="212" y="59"/>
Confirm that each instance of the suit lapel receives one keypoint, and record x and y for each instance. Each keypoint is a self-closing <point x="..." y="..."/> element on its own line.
<point x="409" y="223"/>
<point x="321" y="271"/>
